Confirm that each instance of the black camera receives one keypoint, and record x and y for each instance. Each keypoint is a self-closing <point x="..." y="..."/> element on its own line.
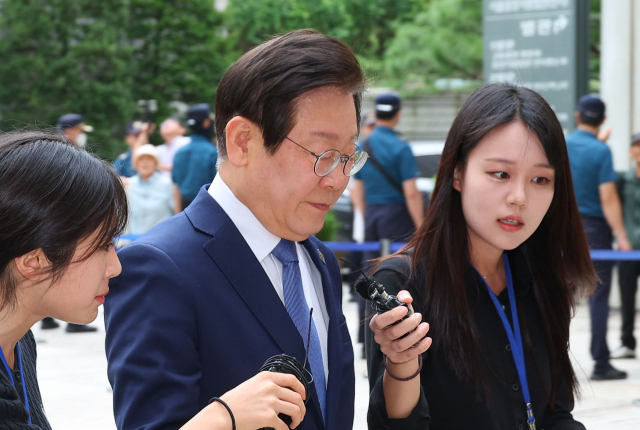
<point x="148" y="108"/>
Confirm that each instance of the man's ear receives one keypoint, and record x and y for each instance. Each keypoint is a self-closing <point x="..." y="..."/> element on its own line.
<point x="456" y="178"/>
<point x="239" y="132"/>
<point x="33" y="265"/>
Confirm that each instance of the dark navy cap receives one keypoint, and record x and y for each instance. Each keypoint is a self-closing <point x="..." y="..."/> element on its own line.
<point x="635" y="139"/>
<point x="198" y="113"/>
<point x="388" y="103"/>
<point x="134" y="127"/>
<point x="590" y="106"/>
<point x="70" y="120"/>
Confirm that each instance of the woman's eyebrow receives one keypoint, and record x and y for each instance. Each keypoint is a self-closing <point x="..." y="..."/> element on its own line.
<point x="511" y="162"/>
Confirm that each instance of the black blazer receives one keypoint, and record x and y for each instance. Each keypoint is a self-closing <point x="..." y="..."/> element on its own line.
<point x="447" y="403"/>
<point x="13" y="412"/>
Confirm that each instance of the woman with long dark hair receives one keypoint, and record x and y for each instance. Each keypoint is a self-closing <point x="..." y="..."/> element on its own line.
<point x="491" y="275"/>
<point x="60" y="208"/>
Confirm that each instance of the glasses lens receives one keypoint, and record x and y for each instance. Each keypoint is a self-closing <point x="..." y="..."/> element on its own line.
<point x="327" y="162"/>
<point x="355" y="162"/>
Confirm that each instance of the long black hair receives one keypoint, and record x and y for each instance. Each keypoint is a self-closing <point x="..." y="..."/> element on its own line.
<point x="559" y="255"/>
<point x="53" y="195"/>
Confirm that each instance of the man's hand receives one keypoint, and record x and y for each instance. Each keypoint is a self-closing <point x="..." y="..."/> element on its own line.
<point x="255" y="404"/>
<point x="388" y="337"/>
<point x="623" y="244"/>
<point x="603" y="135"/>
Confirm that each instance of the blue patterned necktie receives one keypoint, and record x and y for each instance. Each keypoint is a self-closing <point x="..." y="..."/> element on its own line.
<point x="298" y="310"/>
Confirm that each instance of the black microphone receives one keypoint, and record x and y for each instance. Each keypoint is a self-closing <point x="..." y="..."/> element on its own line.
<point x="381" y="301"/>
<point x="287" y="364"/>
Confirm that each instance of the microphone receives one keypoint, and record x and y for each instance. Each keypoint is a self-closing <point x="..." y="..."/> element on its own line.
<point x="287" y="364"/>
<point x="374" y="292"/>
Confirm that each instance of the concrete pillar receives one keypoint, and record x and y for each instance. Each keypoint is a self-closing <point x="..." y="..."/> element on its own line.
<point x="620" y="86"/>
<point x="636" y="67"/>
<point x="617" y="74"/>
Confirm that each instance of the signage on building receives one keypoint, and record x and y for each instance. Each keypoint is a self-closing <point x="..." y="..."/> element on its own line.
<point x="542" y="45"/>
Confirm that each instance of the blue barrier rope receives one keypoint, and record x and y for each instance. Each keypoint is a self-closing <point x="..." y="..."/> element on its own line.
<point x="597" y="254"/>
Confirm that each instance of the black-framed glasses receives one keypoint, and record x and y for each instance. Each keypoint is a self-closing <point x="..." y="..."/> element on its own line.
<point x="329" y="159"/>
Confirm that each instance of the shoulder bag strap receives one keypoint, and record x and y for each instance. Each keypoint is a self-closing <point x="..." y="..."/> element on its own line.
<point x="367" y="147"/>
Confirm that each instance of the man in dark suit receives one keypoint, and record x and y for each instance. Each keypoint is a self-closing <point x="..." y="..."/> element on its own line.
<point x="205" y="298"/>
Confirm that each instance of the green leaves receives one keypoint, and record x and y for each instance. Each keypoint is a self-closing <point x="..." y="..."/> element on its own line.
<point x="98" y="58"/>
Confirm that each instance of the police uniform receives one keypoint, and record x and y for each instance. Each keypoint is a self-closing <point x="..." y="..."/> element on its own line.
<point x="194" y="165"/>
<point x="386" y="215"/>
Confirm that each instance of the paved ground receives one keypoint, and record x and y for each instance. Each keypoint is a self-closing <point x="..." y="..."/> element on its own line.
<point x="77" y="395"/>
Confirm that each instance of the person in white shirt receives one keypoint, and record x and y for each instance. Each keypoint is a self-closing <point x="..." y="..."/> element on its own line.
<point x="172" y="133"/>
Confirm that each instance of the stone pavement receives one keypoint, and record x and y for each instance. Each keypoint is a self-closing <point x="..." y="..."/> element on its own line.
<point x="77" y="395"/>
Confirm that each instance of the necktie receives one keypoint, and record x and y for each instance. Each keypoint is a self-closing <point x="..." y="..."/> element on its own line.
<point x="298" y="310"/>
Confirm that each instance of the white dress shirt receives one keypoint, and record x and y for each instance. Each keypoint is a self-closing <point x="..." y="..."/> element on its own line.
<point x="262" y="242"/>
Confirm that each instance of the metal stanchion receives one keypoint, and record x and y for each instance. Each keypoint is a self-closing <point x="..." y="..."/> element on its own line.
<point x="385" y="247"/>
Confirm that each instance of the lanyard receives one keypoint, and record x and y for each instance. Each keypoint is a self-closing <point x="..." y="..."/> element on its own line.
<point x="515" y="339"/>
<point x="10" y="373"/>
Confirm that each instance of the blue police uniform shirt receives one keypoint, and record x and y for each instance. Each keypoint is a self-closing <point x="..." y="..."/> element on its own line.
<point x="591" y="166"/>
<point x="122" y="164"/>
<point x="396" y="157"/>
<point x="194" y="165"/>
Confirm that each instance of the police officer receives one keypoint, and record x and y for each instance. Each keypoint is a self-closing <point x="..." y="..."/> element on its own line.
<point x="594" y="183"/>
<point x="386" y="185"/>
<point x="73" y="127"/>
<point x="195" y="164"/>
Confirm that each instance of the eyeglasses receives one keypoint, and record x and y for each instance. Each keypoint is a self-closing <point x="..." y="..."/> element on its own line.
<point x="329" y="159"/>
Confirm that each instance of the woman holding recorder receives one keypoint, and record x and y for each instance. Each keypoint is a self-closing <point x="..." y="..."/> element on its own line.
<point x="491" y="276"/>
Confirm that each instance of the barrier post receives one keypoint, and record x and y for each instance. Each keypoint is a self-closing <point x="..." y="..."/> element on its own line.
<point x="385" y="247"/>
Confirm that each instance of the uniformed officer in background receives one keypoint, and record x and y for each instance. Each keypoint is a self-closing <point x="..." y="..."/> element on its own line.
<point x="386" y="185"/>
<point x="72" y="126"/>
<point x="194" y="165"/>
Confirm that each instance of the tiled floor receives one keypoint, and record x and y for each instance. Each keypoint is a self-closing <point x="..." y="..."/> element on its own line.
<point x="77" y="395"/>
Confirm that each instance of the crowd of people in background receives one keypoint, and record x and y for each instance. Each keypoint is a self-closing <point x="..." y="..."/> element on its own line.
<point x="504" y="160"/>
<point x="163" y="180"/>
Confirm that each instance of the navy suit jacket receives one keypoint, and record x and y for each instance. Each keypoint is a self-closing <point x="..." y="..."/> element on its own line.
<point x="193" y="314"/>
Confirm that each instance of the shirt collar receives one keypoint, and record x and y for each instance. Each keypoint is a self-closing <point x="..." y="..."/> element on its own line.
<point x="260" y="240"/>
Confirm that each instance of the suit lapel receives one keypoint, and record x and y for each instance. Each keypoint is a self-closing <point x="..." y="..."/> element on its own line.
<point x="231" y="253"/>
<point x="238" y="263"/>
<point x="334" y="337"/>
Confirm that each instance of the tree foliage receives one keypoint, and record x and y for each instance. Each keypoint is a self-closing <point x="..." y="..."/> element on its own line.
<point x="98" y="58"/>
<point x="443" y="40"/>
<point x="178" y="53"/>
<point x="60" y="57"/>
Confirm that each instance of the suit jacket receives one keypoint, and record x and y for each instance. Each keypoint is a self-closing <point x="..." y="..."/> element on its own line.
<point x="193" y="314"/>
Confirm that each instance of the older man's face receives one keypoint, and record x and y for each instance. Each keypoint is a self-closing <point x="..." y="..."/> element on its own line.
<point x="293" y="199"/>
